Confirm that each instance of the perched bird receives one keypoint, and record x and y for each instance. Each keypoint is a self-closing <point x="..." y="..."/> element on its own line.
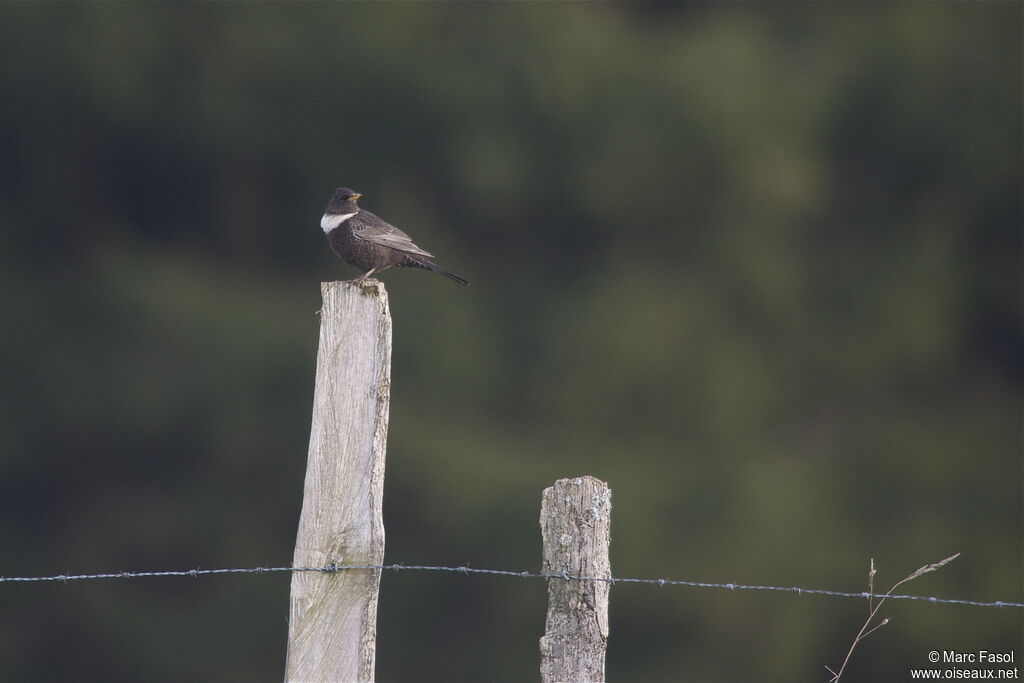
<point x="365" y="241"/>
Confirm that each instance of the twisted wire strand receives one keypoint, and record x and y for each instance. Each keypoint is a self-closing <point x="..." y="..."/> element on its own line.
<point x="465" y="570"/>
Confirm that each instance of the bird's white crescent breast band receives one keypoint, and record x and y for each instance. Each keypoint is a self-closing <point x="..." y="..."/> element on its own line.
<point x="330" y="221"/>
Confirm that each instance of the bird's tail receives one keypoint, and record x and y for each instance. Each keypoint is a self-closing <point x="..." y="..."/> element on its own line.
<point x="429" y="265"/>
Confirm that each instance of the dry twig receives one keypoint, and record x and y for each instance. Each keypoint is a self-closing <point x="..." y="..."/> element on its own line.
<point x="873" y="608"/>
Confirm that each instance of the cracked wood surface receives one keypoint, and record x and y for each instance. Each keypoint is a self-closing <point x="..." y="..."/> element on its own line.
<point x="576" y="526"/>
<point x="332" y="623"/>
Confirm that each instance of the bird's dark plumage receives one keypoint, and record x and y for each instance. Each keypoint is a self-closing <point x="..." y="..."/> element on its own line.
<point x="365" y="241"/>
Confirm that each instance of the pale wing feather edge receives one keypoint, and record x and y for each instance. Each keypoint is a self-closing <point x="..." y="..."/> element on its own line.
<point x="388" y="235"/>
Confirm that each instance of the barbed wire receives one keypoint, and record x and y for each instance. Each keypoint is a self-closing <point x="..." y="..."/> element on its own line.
<point x="330" y="568"/>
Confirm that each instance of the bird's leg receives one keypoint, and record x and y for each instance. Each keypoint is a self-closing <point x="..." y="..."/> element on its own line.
<point x="364" y="275"/>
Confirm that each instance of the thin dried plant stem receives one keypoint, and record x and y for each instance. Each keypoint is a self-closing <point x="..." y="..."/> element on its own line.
<point x="864" y="632"/>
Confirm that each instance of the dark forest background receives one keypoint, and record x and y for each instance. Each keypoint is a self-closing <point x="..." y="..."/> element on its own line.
<point x="756" y="266"/>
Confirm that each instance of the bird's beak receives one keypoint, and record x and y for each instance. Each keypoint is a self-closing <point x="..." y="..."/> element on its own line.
<point x="355" y="196"/>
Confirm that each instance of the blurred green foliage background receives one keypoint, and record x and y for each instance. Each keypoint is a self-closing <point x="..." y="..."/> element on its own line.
<point x="756" y="266"/>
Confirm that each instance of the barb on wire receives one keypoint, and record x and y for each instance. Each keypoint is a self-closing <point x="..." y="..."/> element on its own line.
<point x="465" y="570"/>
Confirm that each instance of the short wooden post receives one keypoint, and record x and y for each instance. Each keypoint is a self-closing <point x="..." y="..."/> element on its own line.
<point x="575" y="521"/>
<point x="332" y="623"/>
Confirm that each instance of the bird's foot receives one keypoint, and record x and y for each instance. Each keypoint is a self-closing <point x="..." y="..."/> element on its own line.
<point x="362" y="278"/>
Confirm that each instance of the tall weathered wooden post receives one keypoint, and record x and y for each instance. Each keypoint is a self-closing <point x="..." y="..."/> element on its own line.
<point x="575" y="521"/>
<point x="332" y="623"/>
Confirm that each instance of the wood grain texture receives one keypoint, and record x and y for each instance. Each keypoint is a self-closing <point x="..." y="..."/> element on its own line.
<point x="575" y="521"/>
<point x="332" y="621"/>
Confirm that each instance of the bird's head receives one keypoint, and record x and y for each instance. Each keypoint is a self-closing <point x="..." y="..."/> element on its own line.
<point x="343" y="201"/>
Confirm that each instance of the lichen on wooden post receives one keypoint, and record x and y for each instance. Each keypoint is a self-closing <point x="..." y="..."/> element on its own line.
<point x="575" y="521"/>
<point x="332" y="622"/>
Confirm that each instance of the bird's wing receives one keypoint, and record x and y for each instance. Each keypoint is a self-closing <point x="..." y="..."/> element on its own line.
<point x="369" y="227"/>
